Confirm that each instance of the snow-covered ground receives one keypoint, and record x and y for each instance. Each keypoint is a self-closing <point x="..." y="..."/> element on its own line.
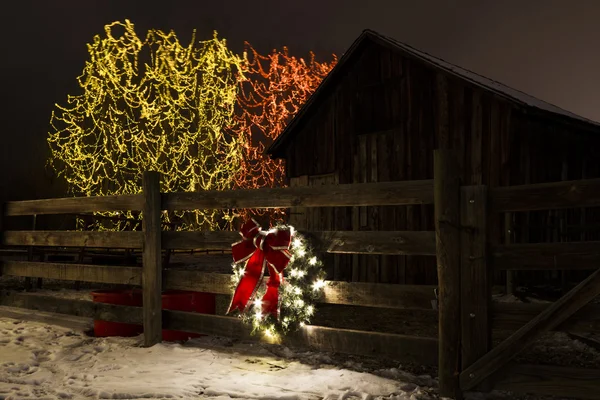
<point x="42" y="361"/>
<point x="45" y="356"/>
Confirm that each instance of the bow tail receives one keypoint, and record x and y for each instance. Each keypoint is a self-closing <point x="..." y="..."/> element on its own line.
<point x="248" y="284"/>
<point x="270" y="301"/>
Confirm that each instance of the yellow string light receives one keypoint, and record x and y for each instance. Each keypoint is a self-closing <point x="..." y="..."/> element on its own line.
<point x="151" y="104"/>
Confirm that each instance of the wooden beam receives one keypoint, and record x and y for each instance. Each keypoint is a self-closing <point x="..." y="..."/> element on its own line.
<point x="543" y="256"/>
<point x="152" y="259"/>
<point x="508" y="239"/>
<point x="546" y="196"/>
<point x="363" y="194"/>
<point x="81" y="308"/>
<point x="197" y="280"/>
<point x="447" y="222"/>
<point x="74" y="205"/>
<point x="411" y="349"/>
<point x="120" y="240"/>
<point x="475" y="278"/>
<point x="550" y="380"/>
<point x="357" y="242"/>
<point x="550" y="318"/>
<point x="379" y="295"/>
<point x="376" y="242"/>
<point x="199" y="240"/>
<point x="74" y="272"/>
<point x="74" y="323"/>
<point x="512" y="316"/>
<point x="335" y="292"/>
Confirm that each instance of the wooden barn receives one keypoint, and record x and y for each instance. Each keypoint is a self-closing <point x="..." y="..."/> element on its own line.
<point x="382" y="111"/>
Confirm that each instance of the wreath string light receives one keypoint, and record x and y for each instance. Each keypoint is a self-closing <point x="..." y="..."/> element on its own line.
<point x="285" y="301"/>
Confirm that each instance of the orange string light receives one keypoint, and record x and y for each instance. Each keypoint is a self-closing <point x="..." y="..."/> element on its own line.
<point x="273" y="91"/>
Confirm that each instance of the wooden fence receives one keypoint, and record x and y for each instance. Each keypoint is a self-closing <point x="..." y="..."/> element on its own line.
<point x="152" y="279"/>
<point x="466" y="261"/>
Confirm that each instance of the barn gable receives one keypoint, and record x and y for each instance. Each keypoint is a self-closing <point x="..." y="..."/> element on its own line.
<point x="371" y="38"/>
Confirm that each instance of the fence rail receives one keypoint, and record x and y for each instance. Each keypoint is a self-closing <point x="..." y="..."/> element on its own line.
<point x="544" y="256"/>
<point x="74" y="205"/>
<point x="358" y="194"/>
<point x="546" y="196"/>
<point x="114" y="240"/>
<point x="512" y="316"/>
<point x="356" y="242"/>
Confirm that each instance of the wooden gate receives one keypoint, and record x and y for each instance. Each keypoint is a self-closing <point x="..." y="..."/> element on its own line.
<point x="479" y="365"/>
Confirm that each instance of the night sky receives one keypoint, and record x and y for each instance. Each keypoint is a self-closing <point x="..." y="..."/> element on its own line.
<point x="547" y="48"/>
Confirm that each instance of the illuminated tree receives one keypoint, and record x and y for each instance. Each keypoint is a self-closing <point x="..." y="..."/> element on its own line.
<point x="151" y="104"/>
<point x="273" y="91"/>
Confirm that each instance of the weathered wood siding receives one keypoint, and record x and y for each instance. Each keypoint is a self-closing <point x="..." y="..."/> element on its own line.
<point x="383" y="122"/>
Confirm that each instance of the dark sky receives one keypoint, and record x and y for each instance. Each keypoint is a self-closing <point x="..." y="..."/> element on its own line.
<point x="548" y="48"/>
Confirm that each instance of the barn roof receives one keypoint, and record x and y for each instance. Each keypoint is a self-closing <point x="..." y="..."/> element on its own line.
<point x="333" y="78"/>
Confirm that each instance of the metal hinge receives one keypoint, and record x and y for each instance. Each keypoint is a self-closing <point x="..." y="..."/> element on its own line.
<point x="435" y="303"/>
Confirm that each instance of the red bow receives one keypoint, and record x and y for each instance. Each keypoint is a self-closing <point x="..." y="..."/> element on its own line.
<point x="260" y="249"/>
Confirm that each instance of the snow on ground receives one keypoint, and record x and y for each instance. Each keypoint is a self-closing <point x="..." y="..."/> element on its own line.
<point x="41" y="361"/>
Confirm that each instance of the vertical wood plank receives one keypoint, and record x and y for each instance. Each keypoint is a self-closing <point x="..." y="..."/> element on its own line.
<point x="476" y="139"/>
<point x="355" y="216"/>
<point x="582" y="217"/>
<point x="410" y="150"/>
<point x="374" y="260"/>
<point x="363" y="166"/>
<point x="527" y="157"/>
<point x="493" y="160"/>
<point x="457" y="118"/>
<point x="152" y="260"/>
<point x="508" y="239"/>
<point x="447" y="220"/>
<point x="298" y="215"/>
<point x="29" y="281"/>
<point x="442" y="115"/>
<point x="427" y="211"/>
<point x="386" y="221"/>
<point x="401" y="156"/>
<point x="475" y="276"/>
<point x="505" y="157"/>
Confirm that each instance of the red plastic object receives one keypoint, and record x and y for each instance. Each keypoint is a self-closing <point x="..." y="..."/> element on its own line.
<point x="120" y="297"/>
<point x="179" y="300"/>
<point x="176" y="300"/>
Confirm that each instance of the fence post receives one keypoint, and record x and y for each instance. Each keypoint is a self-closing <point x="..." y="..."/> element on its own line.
<point x="447" y="234"/>
<point x="152" y="260"/>
<point x="476" y="278"/>
<point x="2" y="212"/>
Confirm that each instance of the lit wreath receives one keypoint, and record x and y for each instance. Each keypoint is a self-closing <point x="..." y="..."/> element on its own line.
<point x="285" y="301"/>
